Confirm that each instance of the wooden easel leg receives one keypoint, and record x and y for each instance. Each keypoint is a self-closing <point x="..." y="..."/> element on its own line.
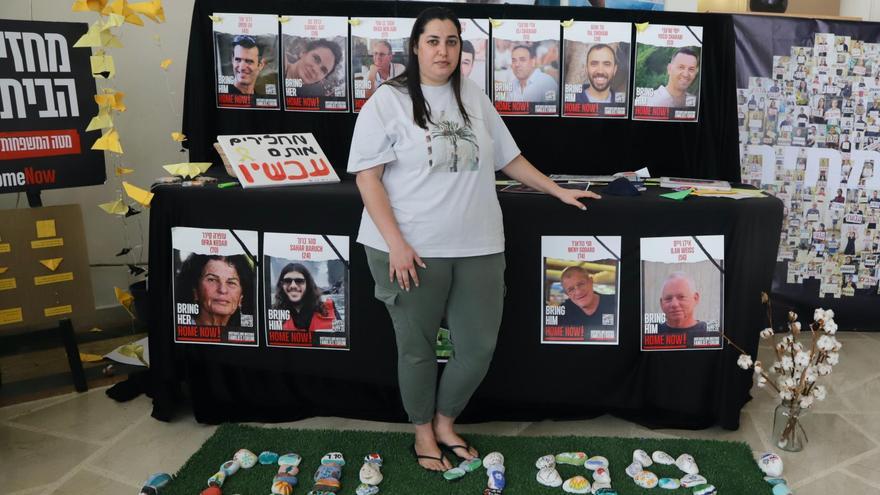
<point x="76" y="368"/>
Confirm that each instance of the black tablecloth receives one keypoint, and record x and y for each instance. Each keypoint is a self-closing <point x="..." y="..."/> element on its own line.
<point x="527" y="380"/>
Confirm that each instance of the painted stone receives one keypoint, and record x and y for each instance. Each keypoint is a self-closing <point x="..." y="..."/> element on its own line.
<point x="212" y="490"/>
<point x="595" y="462"/>
<point x="497" y="481"/>
<point x="291" y="459"/>
<point x="669" y="483"/>
<point x="578" y="484"/>
<point x="604" y="491"/>
<point x="705" y="490"/>
<point x="549" y="476"/>
<point x="370" y="474"/>
<point x="598" y="485"/>
<point x="471" y="465"/>
<point x="493" y="468"/>
<point x="281" y="488"/>
<point x="642" y="458"/>
<point x="571" y="458"/>
<point x="364" y="489"/>
<point x="373" y="458"/>
<point x="453" y="474"/>
<point x="333" y="458"/>
<point x="230" y="467"/>
<point x="217" y="480"/>
<point x="150" y="490"/>
<point x="288" y="470"/>
<point x="246" y="458"/>
<point x="771" y="464"/>
<point x="158" y="480"/>
<point x="646" y="479"/>
<point x="493" y="459"/>
<point x="781" y="489"/>
<point x="661" y="457"/>
<point x="290" y="480"/>
<point x="545" y="462"/>
<point x="686" y="463"/>
<point x="325" y="471"/>
<point x="601" y="474"/>
<point x="491" y="491"/>
<point x="691" y="480"/>
<point x="328" y="484"/>
<point x="633" y="469"/>
<point x="267" y="457"/>
<point x="774" y="480"/>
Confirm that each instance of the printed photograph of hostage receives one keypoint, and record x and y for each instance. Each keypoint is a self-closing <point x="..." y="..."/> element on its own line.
<point x="596" y="70"/>
<point x="315" y="67"/>
<point x="378" y="54"/>
<point x="526" y="63"/>
<point x="246" y="63"/>
<point x="666" y="84"/>
<point x="682" y="301"/>
<point x="297" y="294"/>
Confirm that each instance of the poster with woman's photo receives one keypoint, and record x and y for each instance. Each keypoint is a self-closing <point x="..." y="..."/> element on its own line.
<point x="580" y="301"/>
<point x="666" y="85"/>
<point x="525" y="60"/>
<point x="682" y="293"/>
<point x="246" y="61"/>
<point x="215" y="286"/>
<point x="379" y="52"/>
<point x="305" y="290"/>
<point x="475" y="51"/>
<point x="314" y="63"/>
<point x="596" y="69"/>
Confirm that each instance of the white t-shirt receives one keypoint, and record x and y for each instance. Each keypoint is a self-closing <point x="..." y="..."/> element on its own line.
<point x="440" y="182"/>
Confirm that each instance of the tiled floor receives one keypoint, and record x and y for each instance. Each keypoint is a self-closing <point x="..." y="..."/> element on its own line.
<point x="88" y="444"/>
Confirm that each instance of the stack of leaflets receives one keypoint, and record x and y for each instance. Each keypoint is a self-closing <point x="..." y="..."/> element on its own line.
<point x="684" y="183"/>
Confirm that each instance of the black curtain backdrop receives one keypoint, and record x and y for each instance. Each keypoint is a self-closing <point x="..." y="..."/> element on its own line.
<point x="758" y="39"/>
<point x="707" y="149"/>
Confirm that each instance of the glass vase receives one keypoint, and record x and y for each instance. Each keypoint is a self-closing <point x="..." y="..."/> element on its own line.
<point x="788" y="431"/>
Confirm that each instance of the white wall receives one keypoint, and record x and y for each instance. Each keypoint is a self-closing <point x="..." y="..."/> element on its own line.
<point x="144" y="128"/>
<point x="868" y="10"/>
<point x="681" y="5"/>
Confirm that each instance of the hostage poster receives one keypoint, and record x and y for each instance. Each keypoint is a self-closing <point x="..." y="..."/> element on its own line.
<point x="305" y="289"/>
<point x="682" y="292"/>
<point x="666" y="85"/>
<point x="246" y="61"/>
<point x="475" y="51"/>
<point x="581" y="287"/>
<point x="215" y="281"/>
<point x="315" y="66"/>
<point x="525" y="59"/>
<point x="596" y="69"/>
<point x="379" y="52"/>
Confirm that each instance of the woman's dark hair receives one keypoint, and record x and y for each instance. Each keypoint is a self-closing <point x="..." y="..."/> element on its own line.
<point x="311" y="300"/>
<point x="333" y="47"/>
<point x="191" y="271"/>
<point x="411" y="78"/>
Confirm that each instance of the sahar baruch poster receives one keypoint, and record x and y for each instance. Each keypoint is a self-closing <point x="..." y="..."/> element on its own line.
<point x="596" y="69"/>
<point x="666" y="85"/>
<point x="246" y="61"/>
<point x="315" y="65"/>
<point x="215" y="286"/>
<point x="475" y="51"/>
<point x="305" y="288"/>
<point x="525" y="59"/>
<point x="682" y="292"/>
<point x="379" y="52"/>
<point x="581" y="287"/>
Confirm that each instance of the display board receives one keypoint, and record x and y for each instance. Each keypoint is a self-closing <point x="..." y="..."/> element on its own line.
<point x="46" y="101"/>
<point x="44" y="267"/>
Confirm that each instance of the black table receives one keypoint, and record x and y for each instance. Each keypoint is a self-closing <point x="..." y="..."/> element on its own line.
<point x="527" y="380"/>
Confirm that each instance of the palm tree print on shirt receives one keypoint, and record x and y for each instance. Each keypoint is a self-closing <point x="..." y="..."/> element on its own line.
<point x="457" y="135"/>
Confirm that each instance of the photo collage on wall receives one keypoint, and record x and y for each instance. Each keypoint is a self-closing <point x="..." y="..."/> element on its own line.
<point x="809" y="134"/>
<point x="527" y="67"/>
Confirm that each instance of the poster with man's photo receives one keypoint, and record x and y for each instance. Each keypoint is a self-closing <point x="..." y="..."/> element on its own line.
<point x="525" y="61"/>
<point x="305" y="290"/>
<point x="215" y="286"/>
<point x="580" y="300"/>
<point x="314" y="63"/>
<point x="379" y="52"/>
<point x="596" y="69"/>
<point x="475" y="51"/>
<point x="246" y="61"/>
<point x="666" y="85"/>
<point x="682" y="293"/>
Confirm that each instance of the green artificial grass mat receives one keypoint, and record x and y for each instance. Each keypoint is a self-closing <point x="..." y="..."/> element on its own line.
<point x="727" y="465"/>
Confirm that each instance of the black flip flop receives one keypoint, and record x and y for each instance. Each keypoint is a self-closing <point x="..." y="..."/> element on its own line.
<point x="421" y="456"/>
<point x="451" y="448"/>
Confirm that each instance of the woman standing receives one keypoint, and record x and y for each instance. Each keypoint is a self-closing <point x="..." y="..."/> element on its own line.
<point x="426" y="147"/>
